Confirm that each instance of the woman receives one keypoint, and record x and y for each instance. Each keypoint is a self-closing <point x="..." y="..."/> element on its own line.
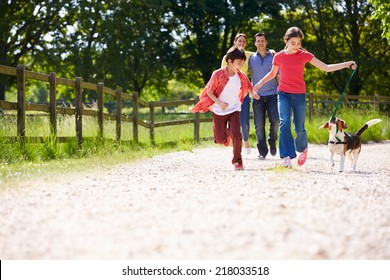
<point x="290" y="63"/>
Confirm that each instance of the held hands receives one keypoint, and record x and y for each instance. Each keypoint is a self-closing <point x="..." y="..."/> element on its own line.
<point x="255" y="96"/>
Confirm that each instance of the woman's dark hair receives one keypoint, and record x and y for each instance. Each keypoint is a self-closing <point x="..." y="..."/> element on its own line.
<point x="239" y="35"/>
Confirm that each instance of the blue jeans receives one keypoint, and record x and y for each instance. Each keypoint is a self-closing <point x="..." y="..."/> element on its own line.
<point x="244" y="117"/>
<point x="295" y="103"/>
<point x="269" y="105"/>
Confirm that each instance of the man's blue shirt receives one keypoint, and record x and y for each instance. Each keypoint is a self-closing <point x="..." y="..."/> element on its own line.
<point x="259" y="67"/>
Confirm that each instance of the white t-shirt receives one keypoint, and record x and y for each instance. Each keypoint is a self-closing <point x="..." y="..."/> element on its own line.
<point x="230" y="95"/>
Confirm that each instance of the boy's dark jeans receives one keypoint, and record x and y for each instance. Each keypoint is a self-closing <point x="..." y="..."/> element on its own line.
<point x="229" y="125"/>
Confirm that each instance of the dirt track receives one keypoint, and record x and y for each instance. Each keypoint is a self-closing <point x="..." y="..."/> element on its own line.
<point x="191" y="205"/>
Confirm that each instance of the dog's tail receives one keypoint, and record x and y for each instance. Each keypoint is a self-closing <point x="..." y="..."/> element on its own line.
<point x="367" y="125"/>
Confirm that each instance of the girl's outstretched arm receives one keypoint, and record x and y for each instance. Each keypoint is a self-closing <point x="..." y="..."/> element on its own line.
<point x="332" y="67"/>
<point x="269" y="76"/>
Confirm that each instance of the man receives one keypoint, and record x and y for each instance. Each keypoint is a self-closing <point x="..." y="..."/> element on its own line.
<point x="260" y="63"/>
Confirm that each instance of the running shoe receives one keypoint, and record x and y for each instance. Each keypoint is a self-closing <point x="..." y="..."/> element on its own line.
<point x="238" y="166"/>
<point x="287" y="162"/>
<point x="302" y="157"/>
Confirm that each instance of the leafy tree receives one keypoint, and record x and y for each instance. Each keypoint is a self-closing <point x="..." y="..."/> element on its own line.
<point x="382" y="12"/>
<point x="138" y="51"/>
<point x="206" y="29"/>
<point x="23" y="25"/>
<point x="338" y="30"/>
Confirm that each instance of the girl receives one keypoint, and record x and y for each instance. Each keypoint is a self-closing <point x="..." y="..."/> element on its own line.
<point x="290" y="63"/>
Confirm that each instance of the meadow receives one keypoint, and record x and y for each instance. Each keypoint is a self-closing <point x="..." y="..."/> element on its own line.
<point x="50" y="157"/>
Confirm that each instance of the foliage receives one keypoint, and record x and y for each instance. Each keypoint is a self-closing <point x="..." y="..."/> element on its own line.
<point x="337" y="31"/>
<point x="206" y="29"/>
<point x="141" y="45"/>
<point x="382" y="13"/>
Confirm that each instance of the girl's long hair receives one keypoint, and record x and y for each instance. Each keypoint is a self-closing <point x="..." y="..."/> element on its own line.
<point x="293" y="32"/>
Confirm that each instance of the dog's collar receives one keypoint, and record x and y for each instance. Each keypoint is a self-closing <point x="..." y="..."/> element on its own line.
<point x="338" y="142"/>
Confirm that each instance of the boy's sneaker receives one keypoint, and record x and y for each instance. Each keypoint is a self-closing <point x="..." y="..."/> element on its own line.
<point x="287" y="162"/>
<point x="260" y="157"/>
<point x="227" y="141"/>
<point x="302" y="157"/>
<point x="238" y="166"/>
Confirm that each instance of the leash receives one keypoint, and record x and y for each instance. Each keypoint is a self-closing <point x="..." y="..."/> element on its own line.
<point x="343" y="93"/>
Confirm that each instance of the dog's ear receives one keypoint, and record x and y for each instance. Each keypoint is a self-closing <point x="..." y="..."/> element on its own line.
<point x="325" y="125"/>
<point x="343" y="124"/>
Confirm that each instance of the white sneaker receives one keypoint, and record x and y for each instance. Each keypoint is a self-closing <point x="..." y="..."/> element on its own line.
<point x="287" y="162"/>
<point x="247" y="148"/>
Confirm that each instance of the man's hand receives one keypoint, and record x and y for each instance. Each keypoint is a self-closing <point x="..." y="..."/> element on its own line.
<point x="255" y="96"/>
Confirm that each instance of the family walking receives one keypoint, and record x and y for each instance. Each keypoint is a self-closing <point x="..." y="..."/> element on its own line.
<point x="277" y="87"/>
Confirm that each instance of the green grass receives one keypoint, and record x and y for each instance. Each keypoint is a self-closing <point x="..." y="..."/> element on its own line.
<point x="20" y="163"/>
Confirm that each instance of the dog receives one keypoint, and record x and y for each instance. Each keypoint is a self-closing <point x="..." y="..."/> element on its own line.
<point x="344" y="143"/>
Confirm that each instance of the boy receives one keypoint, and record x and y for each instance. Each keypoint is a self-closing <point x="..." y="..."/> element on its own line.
<point x="223" y="96"/>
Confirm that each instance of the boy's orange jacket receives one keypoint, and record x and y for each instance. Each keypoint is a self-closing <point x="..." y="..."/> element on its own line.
<point x="216" y="84"/>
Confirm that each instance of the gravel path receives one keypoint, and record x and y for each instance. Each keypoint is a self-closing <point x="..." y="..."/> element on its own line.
<point x="192" y="205"/>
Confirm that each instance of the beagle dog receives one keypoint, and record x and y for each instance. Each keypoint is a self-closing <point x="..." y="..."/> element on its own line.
<point x="344" y="143"/>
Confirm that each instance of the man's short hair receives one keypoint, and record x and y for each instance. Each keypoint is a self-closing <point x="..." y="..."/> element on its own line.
<point x="259" y="34"/>
<point x="235" y="53"/>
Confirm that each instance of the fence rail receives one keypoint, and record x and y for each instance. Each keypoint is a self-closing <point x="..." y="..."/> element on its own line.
<point x="80" y="110"/>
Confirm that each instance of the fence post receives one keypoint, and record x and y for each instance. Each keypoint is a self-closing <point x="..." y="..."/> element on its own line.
<point x="135" y="117"/>
<point x="100" y="87"/>
<point x="53" y="106"/>
<point x="376" y="102"/>
<point x="196" y="122"/>
<point x="79" y="112"/>
<point x="21" y="112"/>
<point x="118" y="113"/>
<point x="151" y="122"/>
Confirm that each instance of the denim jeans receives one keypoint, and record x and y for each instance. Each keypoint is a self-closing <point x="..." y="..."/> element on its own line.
<point x="244" y="117"/>
<point x="295" y="103"/>
<point x="269" y="105"/>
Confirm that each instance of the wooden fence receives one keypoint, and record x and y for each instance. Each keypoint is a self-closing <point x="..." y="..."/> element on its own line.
<point x="21" y="106"/>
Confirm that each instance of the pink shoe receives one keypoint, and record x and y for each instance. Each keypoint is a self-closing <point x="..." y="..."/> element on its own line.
<point x="302" y="157"/>
<point x="238" y="166"/>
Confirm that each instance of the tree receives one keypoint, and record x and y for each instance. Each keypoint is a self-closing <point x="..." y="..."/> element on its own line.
<point x="338" y="30"/>
<point x="138" y="51"/>
<point x="23" y="25"/>
<point x="382" y="12"/>
<point x="206" y="29"/>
